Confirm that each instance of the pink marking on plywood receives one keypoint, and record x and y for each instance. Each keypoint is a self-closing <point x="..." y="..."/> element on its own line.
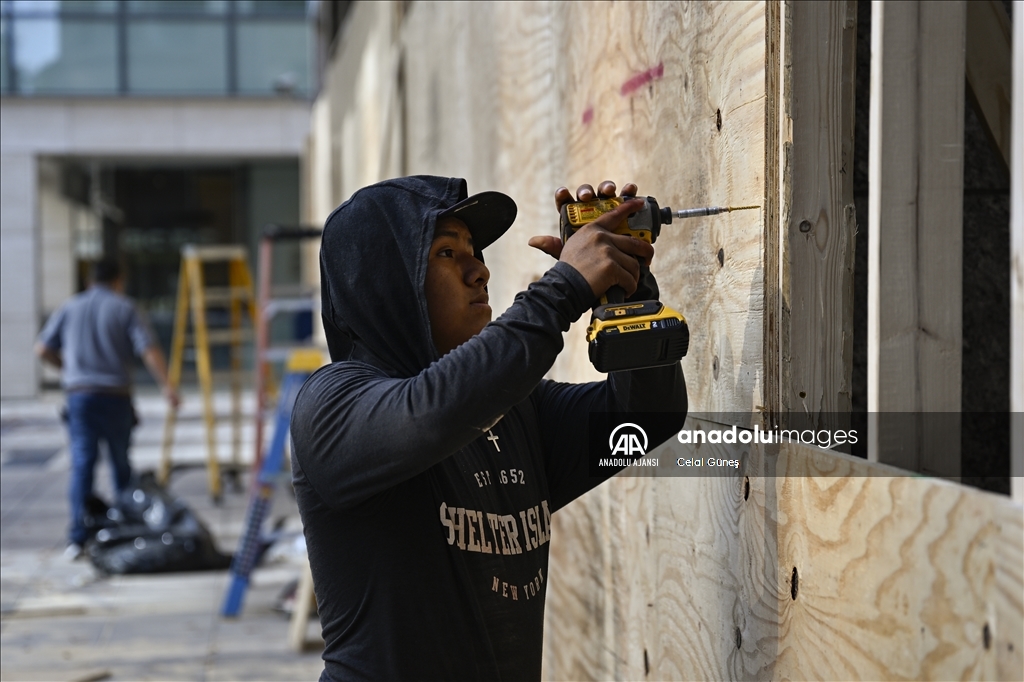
<point x="588" y="115"/>
<point x="642" y="79"/>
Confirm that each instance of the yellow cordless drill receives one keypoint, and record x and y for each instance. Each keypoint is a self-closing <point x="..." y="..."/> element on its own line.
<point x="636" y="334"/>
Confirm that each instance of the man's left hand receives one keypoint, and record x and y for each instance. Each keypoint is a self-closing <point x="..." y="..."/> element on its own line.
<point x="553" y="245"/>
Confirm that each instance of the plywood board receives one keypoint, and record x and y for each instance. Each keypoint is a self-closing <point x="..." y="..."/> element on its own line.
<point x="692" y="578"/>
<point x="897" y="577"/>
<point x="915" y="206"/>
<point x="672" y="95"/>
<point x="481" y="104"/>
<point x="562" y="94"/>
<point x="818" y="219"/>
<point x="1017" y="266"/>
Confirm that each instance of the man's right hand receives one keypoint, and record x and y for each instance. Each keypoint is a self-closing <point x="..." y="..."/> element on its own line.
<point x="157" y="366"/>
<point x="605" y="259"/>
<point x="49" y="355"/>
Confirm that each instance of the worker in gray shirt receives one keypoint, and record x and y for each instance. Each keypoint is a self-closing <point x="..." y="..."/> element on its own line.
<point x="93" y="339"/>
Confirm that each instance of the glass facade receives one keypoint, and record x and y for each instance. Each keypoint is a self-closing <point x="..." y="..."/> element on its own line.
<point x="177" y="57"/>
<point x="72" y="56"/>
<point x="176" y="48"/>
<point x="274" y="53"/>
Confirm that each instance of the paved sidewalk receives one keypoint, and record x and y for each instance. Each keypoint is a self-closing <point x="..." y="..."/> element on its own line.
<point x="60" y="620"/>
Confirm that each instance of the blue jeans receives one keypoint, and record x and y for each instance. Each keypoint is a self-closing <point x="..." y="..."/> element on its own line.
<point x="93" y="417"/>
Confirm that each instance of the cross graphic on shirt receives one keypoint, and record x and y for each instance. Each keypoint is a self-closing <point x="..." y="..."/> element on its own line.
<point x="493" y="439"/>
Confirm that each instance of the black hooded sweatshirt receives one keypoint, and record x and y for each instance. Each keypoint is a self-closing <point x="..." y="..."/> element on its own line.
<point x="426" y="485"/>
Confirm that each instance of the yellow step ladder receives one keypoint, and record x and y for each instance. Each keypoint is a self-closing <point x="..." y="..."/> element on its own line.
<point x="194" y="300"/>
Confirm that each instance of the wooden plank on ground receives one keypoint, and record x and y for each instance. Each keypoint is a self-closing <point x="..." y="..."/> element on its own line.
<point x="915" y="210"/>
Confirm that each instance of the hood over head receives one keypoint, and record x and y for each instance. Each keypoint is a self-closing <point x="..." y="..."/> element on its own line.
<point x="373" y="264"/>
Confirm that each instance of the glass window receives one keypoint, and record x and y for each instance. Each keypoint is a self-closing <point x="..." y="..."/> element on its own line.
<point x="3" y="54"/>
<point x="274" y="57"/>
<point x="40" y="8"/>
<point x="177" y="57"/>
<point x="88" y="6"/>
<point x="54" y="56"/>
<point x="20" y="7"/>
<point x="172" y="47"/>
<point x="292" y="8"/>
<point x="177" y="6"/>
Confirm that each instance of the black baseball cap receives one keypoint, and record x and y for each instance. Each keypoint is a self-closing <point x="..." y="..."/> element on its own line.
<point x="488" y="215"/>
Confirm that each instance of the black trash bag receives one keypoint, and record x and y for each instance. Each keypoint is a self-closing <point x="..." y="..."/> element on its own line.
<point x="98" y="515"/>
<point x="148" y="531"/>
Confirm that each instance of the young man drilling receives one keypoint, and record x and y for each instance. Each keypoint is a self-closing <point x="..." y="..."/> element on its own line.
<point x="429" y="456"/>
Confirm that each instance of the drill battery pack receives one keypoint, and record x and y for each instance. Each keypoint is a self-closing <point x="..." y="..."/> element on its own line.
<point x="625" y="336"/>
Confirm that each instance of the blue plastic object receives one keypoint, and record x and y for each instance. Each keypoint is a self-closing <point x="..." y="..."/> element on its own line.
<point x="251" y="546"/>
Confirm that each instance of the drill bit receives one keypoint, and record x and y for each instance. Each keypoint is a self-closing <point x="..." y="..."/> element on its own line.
<point x="708" y="210"/>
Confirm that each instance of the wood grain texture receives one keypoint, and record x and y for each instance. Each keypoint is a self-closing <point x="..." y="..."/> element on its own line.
<point x="482" y="104"/>
<point x="897" y="577"/>
<point x="691" y="578"/>
<point x="939" y="230"/>
<point x="774" y="323"/>
<point x="1017" y="266"/>
<point x="915" y="209"/>
<point x="903" y="576"/>
<point x="356" y="132"/>
<point x="552" y="111"/>
<point x="692" y="135"/>
<point x="892" y="163"/>
<point x="818" y="216"/>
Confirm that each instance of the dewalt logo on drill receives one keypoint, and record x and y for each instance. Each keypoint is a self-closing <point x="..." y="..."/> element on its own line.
<point x="631" y="335"/>
<point x="581" y="213"/>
